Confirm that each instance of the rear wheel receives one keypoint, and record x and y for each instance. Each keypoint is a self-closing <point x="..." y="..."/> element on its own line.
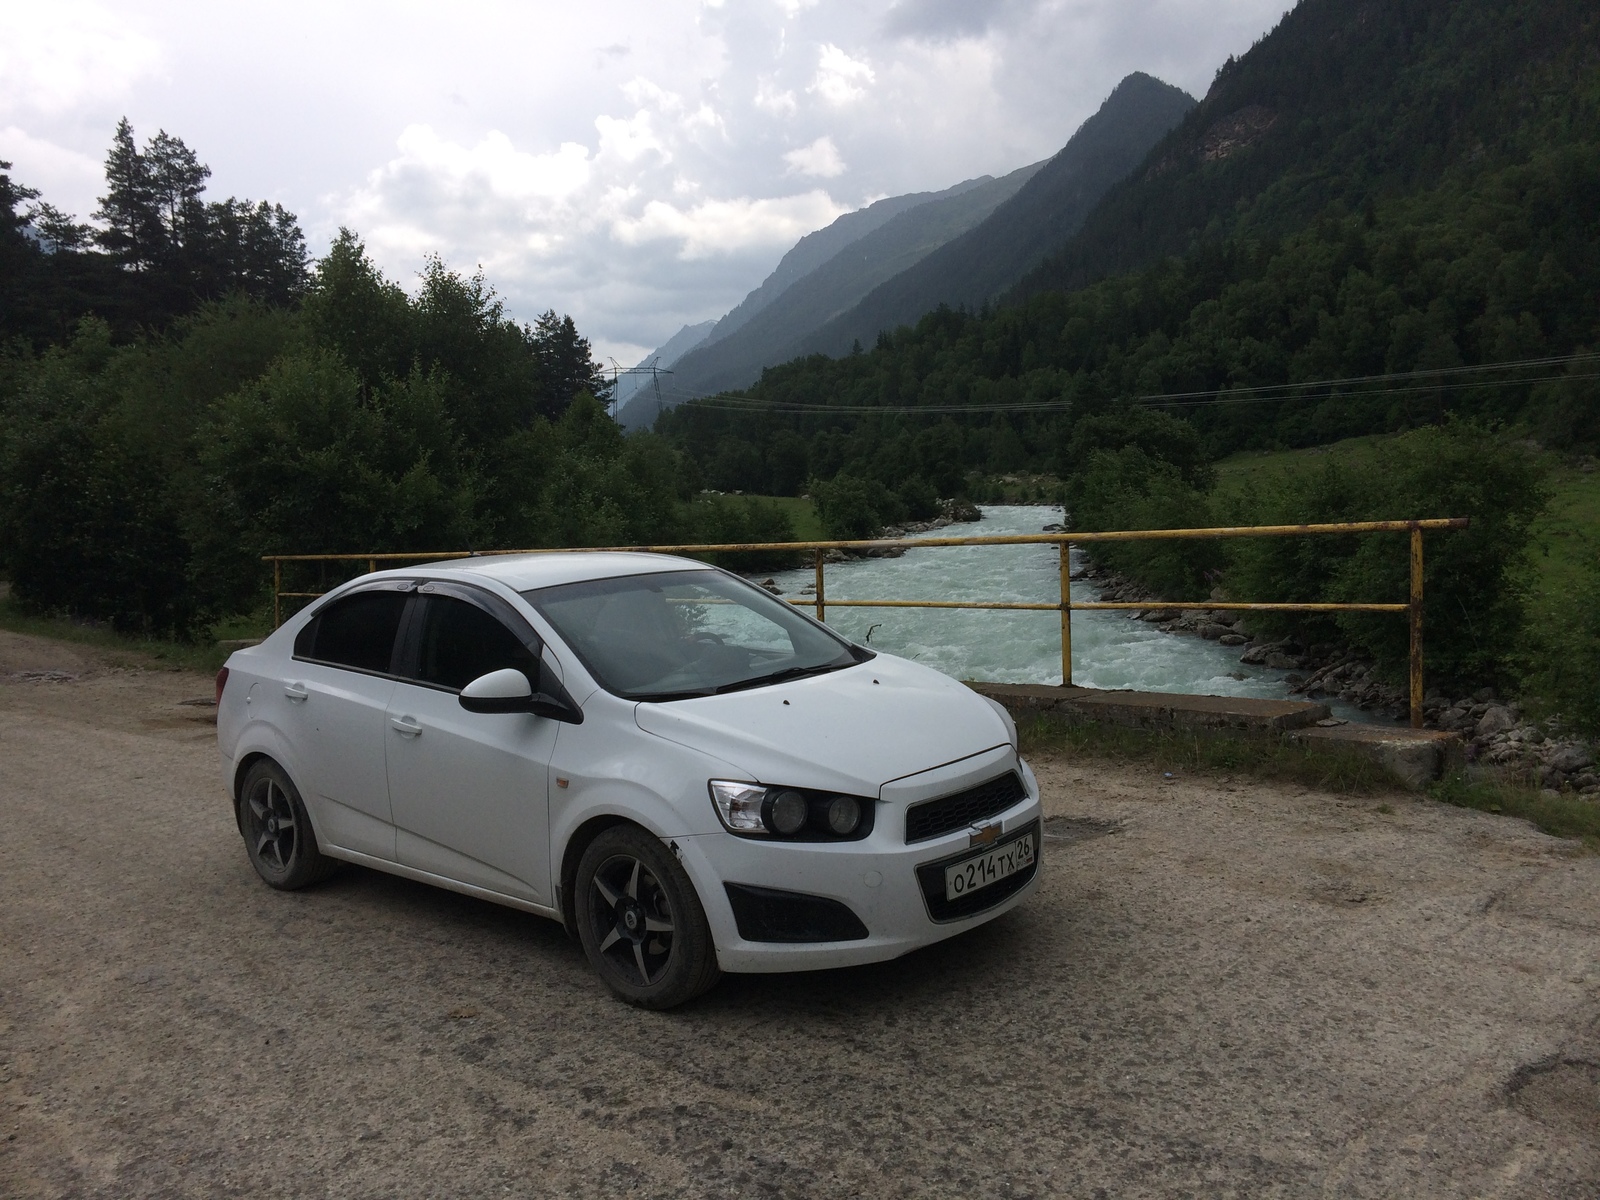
<point x="277" y="832"/>
<point x="641" y="922"/>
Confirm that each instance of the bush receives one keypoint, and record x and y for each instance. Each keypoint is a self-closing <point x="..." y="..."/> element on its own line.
<point x="854" y="509"/>
<point x="1562" y="656"/>
<point x="1128" y="488"/>
<point x="1475" y="580"/>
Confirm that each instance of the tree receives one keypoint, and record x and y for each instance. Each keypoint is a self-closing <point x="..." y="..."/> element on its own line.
<point x="132" y="232"/>
<point x="566" y="364"/>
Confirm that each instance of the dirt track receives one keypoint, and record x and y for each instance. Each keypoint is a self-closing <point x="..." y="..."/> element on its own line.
<point x="1223" y="989"/>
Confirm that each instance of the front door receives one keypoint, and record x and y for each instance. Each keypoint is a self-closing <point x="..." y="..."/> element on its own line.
<point x="469" y="791"/>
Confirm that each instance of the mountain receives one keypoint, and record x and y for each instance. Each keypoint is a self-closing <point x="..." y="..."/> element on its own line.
<point x="990" y="258"/>
<point x="1343" y="104"/>
<point x="826" y="273"/>
<point x="669" y="352"/>
<point x="1378" y="191"/>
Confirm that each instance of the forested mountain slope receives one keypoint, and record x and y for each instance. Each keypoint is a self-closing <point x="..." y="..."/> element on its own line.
<point x="1436" y="204"/>
<point x="1346" y="103"/>
<point x="772" y="332"/>
<point x="993" y="256"/>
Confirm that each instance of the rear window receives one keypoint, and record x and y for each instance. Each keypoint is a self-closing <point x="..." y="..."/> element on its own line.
<point x="357" y="631"/>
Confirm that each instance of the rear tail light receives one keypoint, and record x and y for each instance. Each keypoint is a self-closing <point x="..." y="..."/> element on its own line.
<point x="222" y="682"/>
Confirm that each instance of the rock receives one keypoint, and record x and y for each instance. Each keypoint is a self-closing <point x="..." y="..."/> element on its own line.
<point x="1211" y="632"/>
<point x="1232" y="639"/>
<point x="1281" y="662"/>
<point x="1569" y="759"/>
<point x="1055" y="527"/>
<point x="1484" y="696"/>
<point x="1225" y="618"/>
<point x="1496" y="719"/>
<point x="1255" y="656"/>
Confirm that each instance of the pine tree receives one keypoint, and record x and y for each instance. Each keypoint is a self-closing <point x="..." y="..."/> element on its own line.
<point x="133" y="232"/>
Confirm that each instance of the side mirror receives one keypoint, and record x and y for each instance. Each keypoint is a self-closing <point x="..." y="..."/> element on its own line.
<point x="504" y="691"/>
<point x="508" y="691"/>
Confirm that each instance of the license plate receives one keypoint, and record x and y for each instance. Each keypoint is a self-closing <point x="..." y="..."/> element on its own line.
<point x="991" y="866"/>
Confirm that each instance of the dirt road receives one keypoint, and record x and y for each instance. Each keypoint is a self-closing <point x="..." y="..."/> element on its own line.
<point x="1223" y="989"/>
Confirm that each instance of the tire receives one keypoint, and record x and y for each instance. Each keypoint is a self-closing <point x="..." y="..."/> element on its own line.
<point x="277" y="833"/>
<point x="640" y="921"/>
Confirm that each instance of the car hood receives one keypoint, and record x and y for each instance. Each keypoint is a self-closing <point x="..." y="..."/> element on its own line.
<point x="849" y="730"/>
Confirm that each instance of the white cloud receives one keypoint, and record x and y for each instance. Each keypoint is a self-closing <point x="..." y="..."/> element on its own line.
<point x="820" y="158"/>
<point x="769" y="98"/>
<point x="59" y="55"/>
<point x="840" y="78"/>
<point x="724" y="226"/>
<point x="638" y="191"/>
<point x="66" y="177"/>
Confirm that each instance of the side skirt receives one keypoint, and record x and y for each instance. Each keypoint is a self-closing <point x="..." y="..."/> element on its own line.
<point x="451" y="885"/>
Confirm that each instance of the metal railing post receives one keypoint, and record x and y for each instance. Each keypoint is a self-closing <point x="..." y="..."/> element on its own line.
<point x="822" y="603"/>
<point x="1066" y="614"/>
<point x="372" y="566"/>
<point x="1416" y="628"/>
<point x="277" y="592"/>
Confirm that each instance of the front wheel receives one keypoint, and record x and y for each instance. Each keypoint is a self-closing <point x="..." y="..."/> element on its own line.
<point x="277" y="832"/>
<point x="640" y="920"/>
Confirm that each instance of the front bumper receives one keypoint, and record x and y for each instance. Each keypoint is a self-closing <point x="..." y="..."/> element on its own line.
<point x="875" y="878"/>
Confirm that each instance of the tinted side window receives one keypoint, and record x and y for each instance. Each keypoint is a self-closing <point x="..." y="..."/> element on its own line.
<point x="460" y="642"/>
<point x="359" y="631"/>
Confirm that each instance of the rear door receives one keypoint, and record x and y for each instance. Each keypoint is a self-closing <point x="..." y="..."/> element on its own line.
<point x="334" y="703"/>
<point x="469" y="791"/>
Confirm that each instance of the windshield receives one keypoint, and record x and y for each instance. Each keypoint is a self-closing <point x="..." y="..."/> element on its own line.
<point x="687" y="633"/>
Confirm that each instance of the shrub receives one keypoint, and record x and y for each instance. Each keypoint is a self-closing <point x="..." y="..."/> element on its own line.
<point x="1128" y="488"/>
<point x="852" y="508"/>
<point x="1475" y="580"/>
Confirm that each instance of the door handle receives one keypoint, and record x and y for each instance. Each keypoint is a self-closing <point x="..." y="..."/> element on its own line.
<point x="296" y="692"/>
<point x="406" y="726"/>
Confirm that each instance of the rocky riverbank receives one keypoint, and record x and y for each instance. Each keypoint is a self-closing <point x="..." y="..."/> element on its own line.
<point x="1497" y="732"/>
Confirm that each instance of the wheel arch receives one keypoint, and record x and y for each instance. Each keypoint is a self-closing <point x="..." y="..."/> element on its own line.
<point x="581" y="837"/>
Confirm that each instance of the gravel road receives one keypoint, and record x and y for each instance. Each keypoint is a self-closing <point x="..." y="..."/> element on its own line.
<point x="1224" y="988"/>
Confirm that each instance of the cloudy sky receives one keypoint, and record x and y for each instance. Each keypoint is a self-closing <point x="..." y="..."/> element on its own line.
<point x="640" y="164"/>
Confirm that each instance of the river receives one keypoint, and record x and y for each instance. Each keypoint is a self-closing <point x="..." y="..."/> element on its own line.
<point x="1109" y="649"/>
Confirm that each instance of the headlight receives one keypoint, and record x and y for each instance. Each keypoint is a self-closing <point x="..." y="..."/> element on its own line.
<point x="793" y="814"/>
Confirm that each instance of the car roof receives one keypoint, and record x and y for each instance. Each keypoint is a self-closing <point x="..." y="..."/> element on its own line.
<point x="520" y="572"/>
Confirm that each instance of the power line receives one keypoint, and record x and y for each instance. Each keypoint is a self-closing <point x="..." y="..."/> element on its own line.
<point x="1263" y="394"/>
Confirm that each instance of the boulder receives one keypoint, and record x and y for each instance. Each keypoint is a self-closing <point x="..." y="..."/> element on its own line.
<point x="1279" y="661"/>
<point x="1255" y="656"/>
<point x="1232" y="639"/>
<point x="1496" y="719"/>
<point x="1212" y="631"/>
<point x="1569" y="759"/>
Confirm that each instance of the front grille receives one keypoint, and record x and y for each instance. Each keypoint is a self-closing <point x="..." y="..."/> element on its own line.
<point x="770" y="915"/>
<point x="932" y="818"/>
<point x="931" y="877"/>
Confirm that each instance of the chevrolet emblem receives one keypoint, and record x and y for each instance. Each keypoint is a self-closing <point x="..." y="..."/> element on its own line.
<point x="984" y="835"/>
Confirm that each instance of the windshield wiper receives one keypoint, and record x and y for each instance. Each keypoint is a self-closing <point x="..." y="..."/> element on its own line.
<point x="780" y="676"/>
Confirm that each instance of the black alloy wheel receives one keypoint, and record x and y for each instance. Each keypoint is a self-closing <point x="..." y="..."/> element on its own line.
<point x="277" y="833"/>
<point x="640" y="921"/>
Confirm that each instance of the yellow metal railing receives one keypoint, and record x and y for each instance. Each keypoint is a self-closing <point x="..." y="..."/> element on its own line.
<point x="1065" y="605"/>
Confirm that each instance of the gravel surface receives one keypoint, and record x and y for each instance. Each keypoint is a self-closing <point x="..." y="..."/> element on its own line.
<point x="1224" y="988"/>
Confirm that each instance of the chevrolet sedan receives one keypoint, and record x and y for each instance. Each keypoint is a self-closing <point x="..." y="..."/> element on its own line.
<point x="688" y="772"/>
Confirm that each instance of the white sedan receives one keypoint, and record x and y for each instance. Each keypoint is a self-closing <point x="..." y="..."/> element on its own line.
<point x="691" y="774"/>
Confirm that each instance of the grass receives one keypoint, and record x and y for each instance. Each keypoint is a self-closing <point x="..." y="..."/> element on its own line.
<point x="1562" y="541"/>
<point x="1561" y="815"/>
<point x="802" y="515"/>
<point x="131" y="650"/>
<point x="1341" y="771"/>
